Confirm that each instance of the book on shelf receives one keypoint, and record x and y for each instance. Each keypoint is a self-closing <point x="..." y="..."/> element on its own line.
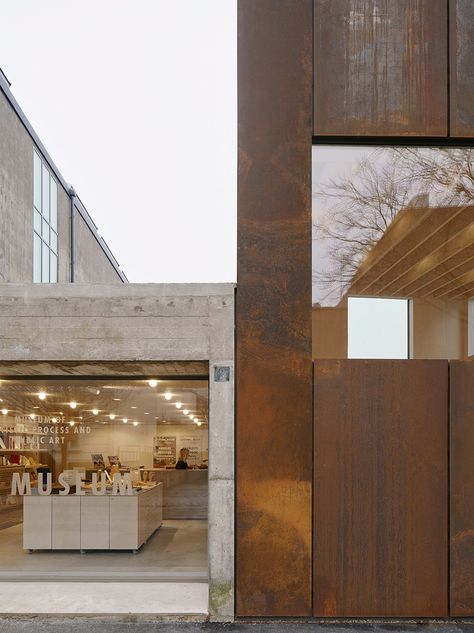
<point x="13" y="441"/>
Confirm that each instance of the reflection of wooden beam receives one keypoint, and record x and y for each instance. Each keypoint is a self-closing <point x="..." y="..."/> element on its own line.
<point x="429" y="257"/>
<point x="377" y="260"/>
<point x="456" y="285"/>
<point x="442" y="275"/>
<point x="414" y="268"/>
<point x="405" y="233"/>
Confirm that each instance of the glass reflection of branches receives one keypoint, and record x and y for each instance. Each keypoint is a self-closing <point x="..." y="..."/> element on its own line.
<point x="358" y="195"/>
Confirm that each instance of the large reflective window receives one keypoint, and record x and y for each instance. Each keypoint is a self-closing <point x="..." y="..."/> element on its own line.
<point x="392" y="223"/>
<point x="113" y="469"/>
<point x="45" y="223"/>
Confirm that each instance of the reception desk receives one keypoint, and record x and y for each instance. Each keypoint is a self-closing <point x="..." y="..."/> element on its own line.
<point x="184" y="492"/>
<point x="88" y="522"/>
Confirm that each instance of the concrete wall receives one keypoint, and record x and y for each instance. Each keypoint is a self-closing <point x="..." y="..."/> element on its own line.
<point x="92" y="264"/>
<point x="16" y="214"/>
<point x="16" y="197"/>
<point x="59" y="326"/>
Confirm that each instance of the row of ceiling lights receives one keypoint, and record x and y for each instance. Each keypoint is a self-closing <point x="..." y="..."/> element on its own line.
<point x="152" y="383"/>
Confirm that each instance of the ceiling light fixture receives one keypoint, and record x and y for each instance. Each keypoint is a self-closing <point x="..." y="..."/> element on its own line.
<point x="199" y="423"/>
<point x="191" y="416"/>
<point x="112" y="416"/>
<point x="133" y="407"/>
<point x="97" y="392"/>
<point x="178" y="405"/>
<point x="146" y="413"/>
<point x="196" y="420"/>
<point x="4" y="411"/>
<point x="32" y="416"/>
<point x="135" y="423"/>
<point x="185" y="411"/>
<point x="117" y="399"/>
<point x="153" y="382"/>
<point x="95" y="411"/>
<point x="168" y="395"/>
<point x="125" y="420"/>
<point x="73" y="405"/>
<point x="42" y="395"/>
<point x="54" y="420"/>
<point x="71" y="423"/>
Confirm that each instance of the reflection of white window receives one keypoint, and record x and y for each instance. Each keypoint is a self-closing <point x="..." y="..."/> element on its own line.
<point x="470" y="327"/>
<point x="377" y="328"/>
<point x="45" y="223"/>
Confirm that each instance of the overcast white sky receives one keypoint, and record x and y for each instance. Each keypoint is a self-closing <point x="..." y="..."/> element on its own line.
<point x="136" y="101"/>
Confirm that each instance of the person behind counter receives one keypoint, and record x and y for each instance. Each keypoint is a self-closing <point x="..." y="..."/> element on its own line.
<point x="182" y="464"/>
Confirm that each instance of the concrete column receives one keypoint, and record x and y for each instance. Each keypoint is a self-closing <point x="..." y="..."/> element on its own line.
<point x="221" y="459"/>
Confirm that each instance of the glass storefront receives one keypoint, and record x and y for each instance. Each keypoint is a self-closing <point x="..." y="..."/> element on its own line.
<point x="107" y="469"/>
<point x="393" y="247"/>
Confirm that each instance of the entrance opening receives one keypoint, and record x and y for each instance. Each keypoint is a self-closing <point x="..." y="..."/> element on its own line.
<point x="103" y="479"/>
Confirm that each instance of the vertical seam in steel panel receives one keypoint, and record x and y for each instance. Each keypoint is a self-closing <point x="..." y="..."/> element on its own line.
<point x="313" y="84"/>
<point x="313" y="482"/>
<point x="448" y="68"/>
<point x="449" y="491"/>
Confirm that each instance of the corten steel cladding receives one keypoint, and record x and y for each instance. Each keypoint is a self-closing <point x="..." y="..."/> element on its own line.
<point x="461" y="55"/>
<point x="381" y="488"/>
<point x="274" y="372"/>
<point x="380" y="67"/>
<point x="462" y="488"/>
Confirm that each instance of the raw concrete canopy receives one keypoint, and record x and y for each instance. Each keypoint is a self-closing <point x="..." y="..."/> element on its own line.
<point x="141" y="330"/>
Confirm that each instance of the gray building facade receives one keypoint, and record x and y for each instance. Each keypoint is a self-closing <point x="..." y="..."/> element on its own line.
<point x="66" y="221"/>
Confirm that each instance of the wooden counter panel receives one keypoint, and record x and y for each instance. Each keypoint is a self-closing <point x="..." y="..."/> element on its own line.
<point x="185" y="493"/>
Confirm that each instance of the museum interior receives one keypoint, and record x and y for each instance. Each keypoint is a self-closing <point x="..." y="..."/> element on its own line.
<point x="103" y="479"/>
<point x="393" y="252"/>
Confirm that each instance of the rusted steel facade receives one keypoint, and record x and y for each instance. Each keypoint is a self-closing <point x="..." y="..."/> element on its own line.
<point x="380" y="67"/>
<point x="462" y="488"/>
<point x="274" y="372"/>
<point x="461" y="45"/>
<point x="381" y="488"/>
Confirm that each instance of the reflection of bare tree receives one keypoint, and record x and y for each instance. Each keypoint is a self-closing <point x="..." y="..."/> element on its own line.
<point x="357" y="210"/>
<point x="447" y="173"/>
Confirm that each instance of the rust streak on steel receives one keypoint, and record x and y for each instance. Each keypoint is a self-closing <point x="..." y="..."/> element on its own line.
<point x="380" y="67"/>
<point x="273" y="309"/>
<point x="461" y="56"/>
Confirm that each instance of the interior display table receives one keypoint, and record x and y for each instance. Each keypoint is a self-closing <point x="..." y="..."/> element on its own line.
<point x="92" y="522"/>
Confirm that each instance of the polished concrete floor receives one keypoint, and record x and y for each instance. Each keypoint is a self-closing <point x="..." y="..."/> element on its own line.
<point x="177" y="552"/>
